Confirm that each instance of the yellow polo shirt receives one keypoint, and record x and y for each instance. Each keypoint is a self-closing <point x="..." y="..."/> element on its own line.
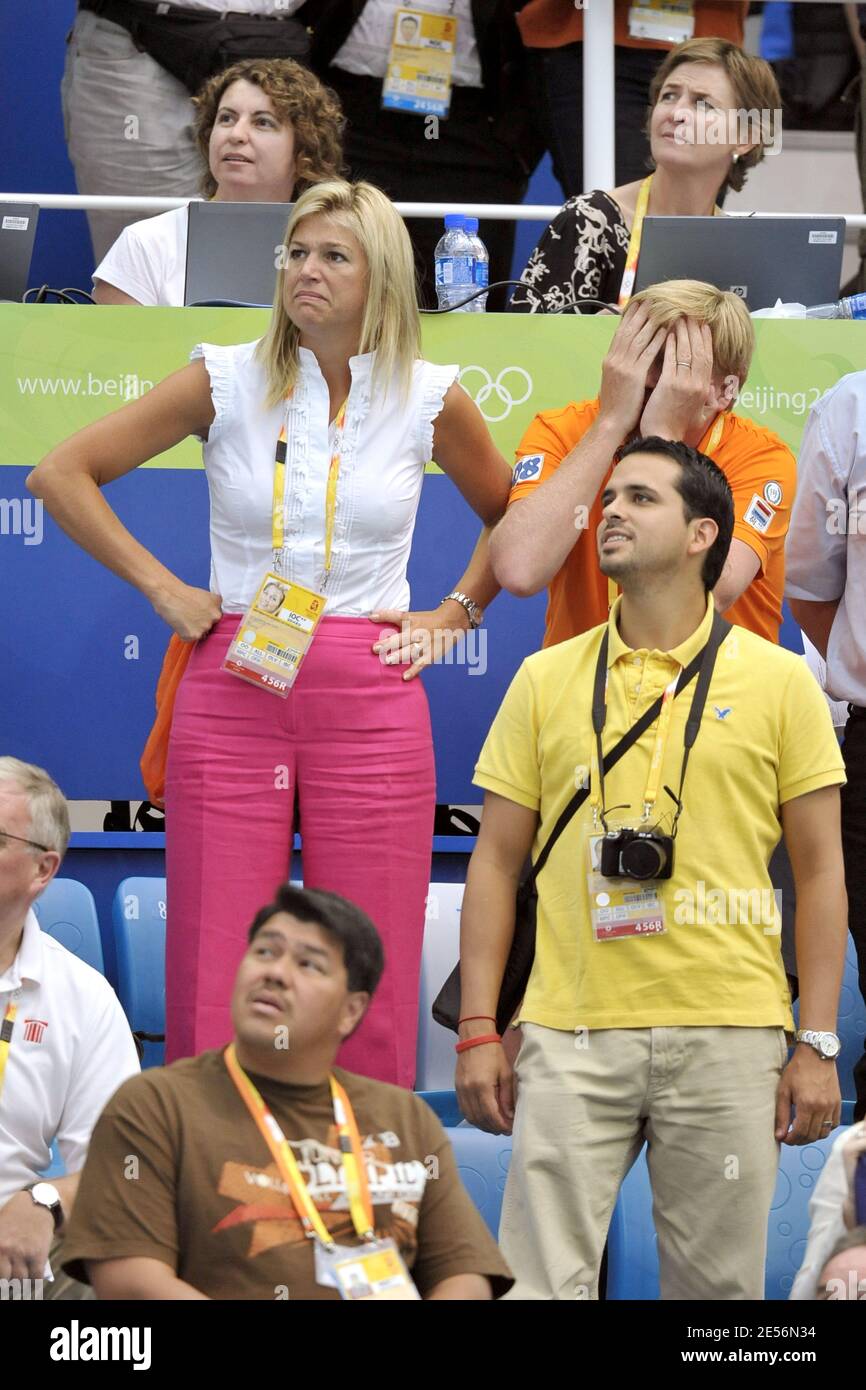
<point x="765" y="738"/>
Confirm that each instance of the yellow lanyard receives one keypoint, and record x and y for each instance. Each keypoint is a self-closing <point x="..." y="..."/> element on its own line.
<point x="715" y="435"/>
<point x="351" y="1153"/>
<point x="631" y="259"/>
<point x="661" y="738"/>
<point x="331" y="489"/>
<point x="335" y="434"/>
<point x="6" y="1029"/>
<point x="712" y="445"/>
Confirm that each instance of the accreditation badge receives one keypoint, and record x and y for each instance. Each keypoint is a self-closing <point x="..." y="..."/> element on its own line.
<point x="668" y="21"/>
<point x="420" y="63"/>
<point x="375" y="1270"/>
<point x="620" y="907"/>
<point x="274" y="634"/>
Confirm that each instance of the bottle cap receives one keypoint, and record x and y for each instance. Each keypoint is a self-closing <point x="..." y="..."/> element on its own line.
<point x="470" y="224"/>
<point x="454" y="219"/>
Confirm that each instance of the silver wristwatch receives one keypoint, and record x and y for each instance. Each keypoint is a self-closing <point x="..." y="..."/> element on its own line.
<point x="45" y="1194"/>
<point x="827" y="1045"/>
<point x="476" y="617"/>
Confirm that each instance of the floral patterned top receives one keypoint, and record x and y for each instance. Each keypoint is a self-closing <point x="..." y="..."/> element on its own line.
<point x="580" y="256"/>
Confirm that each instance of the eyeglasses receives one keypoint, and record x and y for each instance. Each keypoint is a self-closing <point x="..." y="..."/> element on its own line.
<point x="5" y="835"/>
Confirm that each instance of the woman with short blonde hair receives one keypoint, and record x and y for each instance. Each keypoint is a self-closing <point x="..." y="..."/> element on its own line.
<point x="758" y="102"/>
<point x="724" y="313"/>
<point x="714" y="112"/>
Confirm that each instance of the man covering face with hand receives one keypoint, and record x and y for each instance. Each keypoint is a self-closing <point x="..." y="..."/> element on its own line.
<point x="674" y="368"/>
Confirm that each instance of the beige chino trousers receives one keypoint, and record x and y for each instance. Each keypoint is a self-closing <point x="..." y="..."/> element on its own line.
<point x="703" y="1098"/>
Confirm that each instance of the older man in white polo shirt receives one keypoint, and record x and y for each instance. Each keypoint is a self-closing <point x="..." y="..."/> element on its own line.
<point x="826" y="587"/>
<point x="65" y="1045"/>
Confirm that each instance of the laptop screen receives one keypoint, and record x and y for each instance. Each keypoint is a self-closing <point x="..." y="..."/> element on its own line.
<point x="762" y="259"/>
<point x="17" y="234"/>
<point x="232" y="252"/>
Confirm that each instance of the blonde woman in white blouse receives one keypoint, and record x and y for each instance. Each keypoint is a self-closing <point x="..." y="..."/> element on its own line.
<point x="338" y="374"/>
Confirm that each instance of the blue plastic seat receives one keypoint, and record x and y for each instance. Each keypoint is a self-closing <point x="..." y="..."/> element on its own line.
<point x="138" y="916"/>
<point x="799" y="1171"/>
<point x="633" y="1270"/>
<point x="852" y="1024"/>
<point x="444" y="1104"/>
<point x="632" y="1243"/>
<point x="482" y="1161"/>
<point x="66" y="911"/>
<point x="435" y="1052"/>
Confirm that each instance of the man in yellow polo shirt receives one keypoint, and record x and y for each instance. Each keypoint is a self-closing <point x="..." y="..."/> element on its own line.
<point x="656" y="1007"/>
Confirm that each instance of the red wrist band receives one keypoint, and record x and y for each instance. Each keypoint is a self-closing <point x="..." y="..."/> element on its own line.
<point x="476" y="1018"/>
<point x="476" y="1042"/>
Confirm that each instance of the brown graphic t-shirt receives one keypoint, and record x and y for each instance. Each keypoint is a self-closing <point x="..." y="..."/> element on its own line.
<point x="177" y="1171"/>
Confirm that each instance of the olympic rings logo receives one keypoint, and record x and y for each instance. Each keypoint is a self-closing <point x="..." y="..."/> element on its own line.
<point x="498" y="388"/>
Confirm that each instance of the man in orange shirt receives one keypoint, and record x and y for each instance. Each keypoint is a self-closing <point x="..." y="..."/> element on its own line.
<point x="674" y="368"/>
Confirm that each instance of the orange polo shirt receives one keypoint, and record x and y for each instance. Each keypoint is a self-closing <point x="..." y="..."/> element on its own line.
<point x="552" y="23"/>
<point x="762" y="474"/>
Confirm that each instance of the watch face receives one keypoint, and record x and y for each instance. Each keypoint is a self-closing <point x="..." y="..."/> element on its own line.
<point x="830" y="1046"/>
<point x="45" y="1193"/>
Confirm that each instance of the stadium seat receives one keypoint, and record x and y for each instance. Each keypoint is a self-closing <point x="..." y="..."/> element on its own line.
<point x="138" y="916"/>
<point x="444" y="1105"/>
<point x="799" y="1171"/>
<point x="482" y="1161"/>
<point x="66" y="911"/>
<point x="434" y="1063"/>
<point x="633" y="1246"/>
<point x="851" y="1026"/>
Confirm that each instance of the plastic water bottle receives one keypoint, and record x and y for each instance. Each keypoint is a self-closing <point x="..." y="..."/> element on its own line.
<point x="481" y="267"/>
<point x="853" y="306"/>
<point x="454" y="262"/>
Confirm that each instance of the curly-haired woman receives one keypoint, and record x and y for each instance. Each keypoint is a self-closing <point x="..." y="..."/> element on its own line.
<point x="267" y="130"/>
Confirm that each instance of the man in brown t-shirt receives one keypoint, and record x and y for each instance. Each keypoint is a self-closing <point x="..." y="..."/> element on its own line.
<point x="181" y="1197"/>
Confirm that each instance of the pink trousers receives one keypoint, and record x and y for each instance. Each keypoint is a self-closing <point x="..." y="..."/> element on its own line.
<point x="353" y="741"/>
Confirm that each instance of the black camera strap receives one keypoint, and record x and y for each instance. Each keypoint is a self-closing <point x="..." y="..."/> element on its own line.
<point x="647" y="719"/>
<point x="702" y="664"/>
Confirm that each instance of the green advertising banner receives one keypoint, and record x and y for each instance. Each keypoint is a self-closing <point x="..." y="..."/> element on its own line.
<point x="61" y="366"/>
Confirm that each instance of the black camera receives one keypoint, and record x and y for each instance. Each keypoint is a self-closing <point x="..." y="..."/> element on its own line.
<point x="637" y="854"/>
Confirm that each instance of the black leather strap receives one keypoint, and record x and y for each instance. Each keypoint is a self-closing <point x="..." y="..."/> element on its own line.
<point x="160" y="9"/>
<point x="718" y="633"/>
